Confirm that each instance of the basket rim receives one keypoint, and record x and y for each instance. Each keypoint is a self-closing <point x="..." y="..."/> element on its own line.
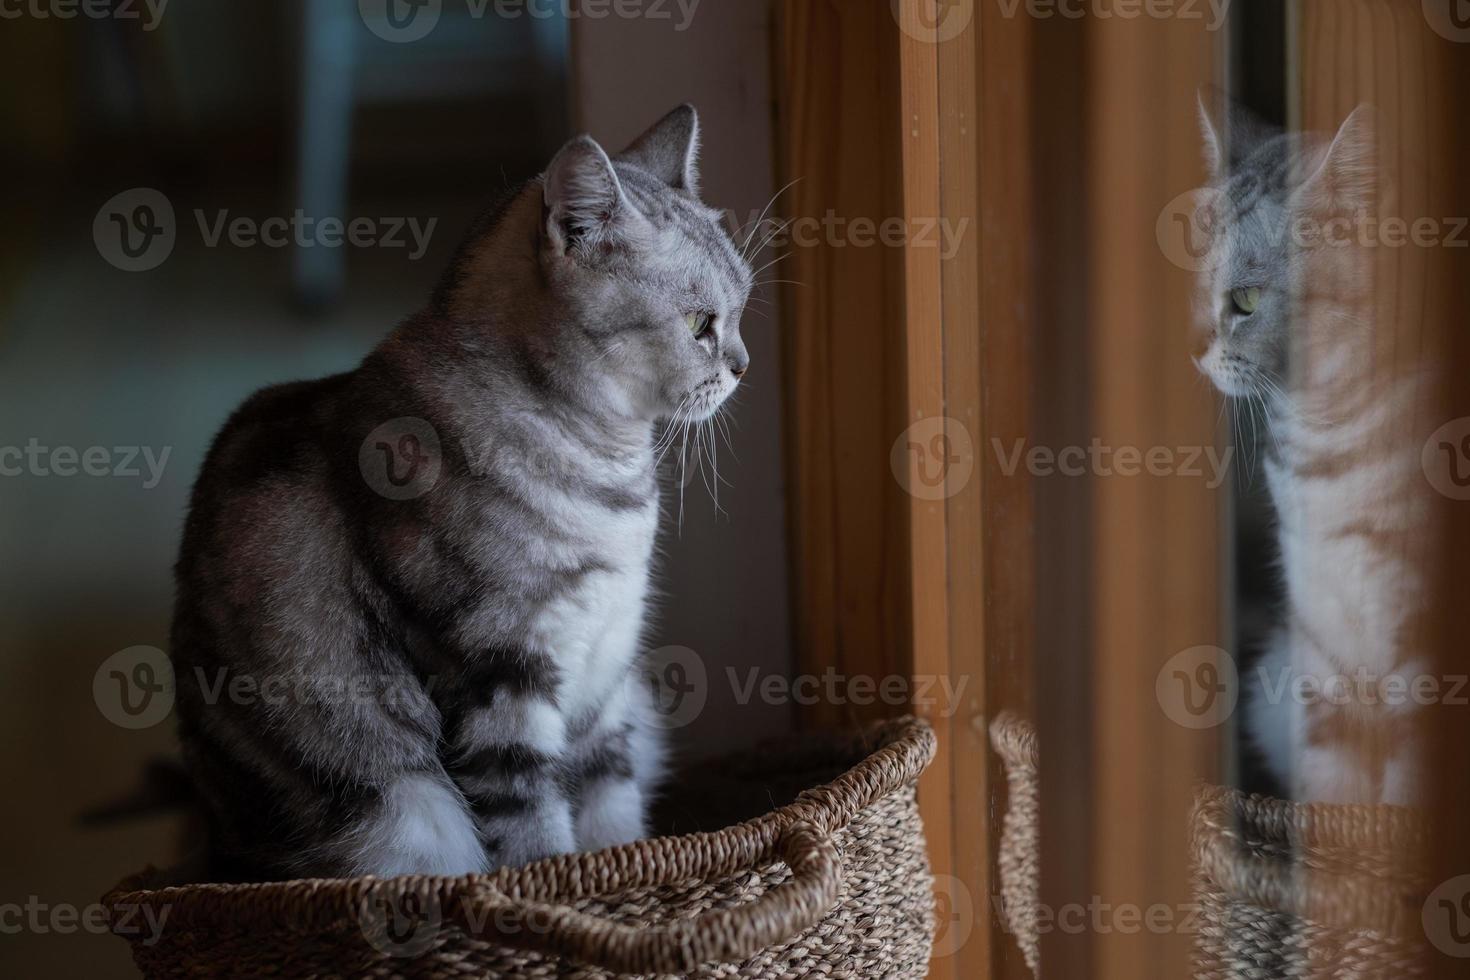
<point x="895" y="753"/>
<point x="1014" y="739"/>
<point x="1341" y="865"/>
<point x="1381" y="827"/>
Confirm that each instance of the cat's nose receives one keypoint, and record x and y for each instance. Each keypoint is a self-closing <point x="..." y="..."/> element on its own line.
<point x="739" y="369"/>
<point x="739" y="361"/>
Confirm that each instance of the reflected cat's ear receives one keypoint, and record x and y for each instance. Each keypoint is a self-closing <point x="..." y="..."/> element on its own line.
<point x="1212" y="130"/>
<point x="1347" y="176"/>
<point x="1230" y="132"/>
<point x="670" y="150"/>
<point x="586" y="208"/>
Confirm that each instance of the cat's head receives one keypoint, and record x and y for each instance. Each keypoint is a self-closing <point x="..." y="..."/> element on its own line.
<point x="1279" y="215"/>
<point x="644" y="272"/>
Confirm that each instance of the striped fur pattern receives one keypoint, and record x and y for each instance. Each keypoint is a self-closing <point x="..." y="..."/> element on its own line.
<point x="442" y="677"/>
<point x="1314" y="366"/>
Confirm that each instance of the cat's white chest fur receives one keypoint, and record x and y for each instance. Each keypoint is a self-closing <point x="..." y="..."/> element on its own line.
<point x="593" y="631"/>
<point x="1348" y="591"/>
<point x="1351" y="528"/>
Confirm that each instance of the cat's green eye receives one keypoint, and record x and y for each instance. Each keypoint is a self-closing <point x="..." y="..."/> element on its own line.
<point x="698" y="323"/>
<point x="1245" y="301"/>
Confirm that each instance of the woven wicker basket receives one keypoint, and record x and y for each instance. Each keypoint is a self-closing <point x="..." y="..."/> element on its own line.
<point x="1284" y="890"/>
<point x="834" y="884"/>
<point x="1306" y="890"/>
<point x="1020" y="837"/>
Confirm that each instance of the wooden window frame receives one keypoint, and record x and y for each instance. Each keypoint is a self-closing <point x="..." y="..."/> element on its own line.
<point x="1034" y="131"/>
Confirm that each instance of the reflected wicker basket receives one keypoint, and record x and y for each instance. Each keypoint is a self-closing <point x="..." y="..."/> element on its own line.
<point x="1284" y="890"/>
<point x="1307" y="890"/>
<point x="834" y="883"/>
<point x="1014" y="741"/>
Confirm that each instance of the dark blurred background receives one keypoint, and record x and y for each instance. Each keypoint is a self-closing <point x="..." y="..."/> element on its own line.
<point x="257" y="110"/>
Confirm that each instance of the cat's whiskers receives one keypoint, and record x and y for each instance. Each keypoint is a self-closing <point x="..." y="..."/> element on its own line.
<point x="724" y="426"/>
<point x="1287" y="406"/>
<point x="740" y="231"/>
<point x="706" y="437"/>
<point x="769" y="264"/>
<point x="699" y="453"/>
<point x="745" y="248"/>
<point x="769" y="237"/>
<point x="672" y="436"/>
<point x="683" y="466"/>
<point x="713" y="424"/>
<point x="660" y="444"/>
<point x="1250" y="414"/>
<point x="1260" y="393"/>
<point x="1239" y="432"/>
<point x="670" y="433"/>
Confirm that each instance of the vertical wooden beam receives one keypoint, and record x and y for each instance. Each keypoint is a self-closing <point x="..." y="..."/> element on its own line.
<point x="969" y="944"/>
<point x="1128" y="561"/>
<point x="1155" y="560"/>
<point x="846" y="346"/>
<point x="1062" y="377"/>
<point x="860" y="114"/>
<point x="986" y="172"/>
<point x="925" y="404"/>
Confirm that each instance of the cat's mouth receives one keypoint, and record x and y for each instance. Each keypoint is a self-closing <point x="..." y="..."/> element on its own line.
<point x="706" y="398"/>
<point x="1230" y="373"/>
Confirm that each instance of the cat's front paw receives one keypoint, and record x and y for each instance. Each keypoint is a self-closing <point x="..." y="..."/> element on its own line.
<point x="612" y="813"/>
<point x="542" y="833"/>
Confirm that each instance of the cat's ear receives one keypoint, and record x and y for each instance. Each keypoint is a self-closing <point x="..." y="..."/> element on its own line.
<point x="1230" y="132"/>
<point x="1347" y="176"/>
<point x="585" y="204"/>
<point x="1212" y="129"/>
<point x="670" y="150"/>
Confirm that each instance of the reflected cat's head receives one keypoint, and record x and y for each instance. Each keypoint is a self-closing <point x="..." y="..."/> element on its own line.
<point x="1280" y="217"/>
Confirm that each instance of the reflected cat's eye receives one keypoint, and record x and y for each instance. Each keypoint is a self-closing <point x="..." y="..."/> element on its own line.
<point x="1245" y="301"/>
<point x="699" y="324"/>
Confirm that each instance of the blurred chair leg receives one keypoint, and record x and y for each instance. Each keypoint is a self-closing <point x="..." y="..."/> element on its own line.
<point x="325" y="139"/>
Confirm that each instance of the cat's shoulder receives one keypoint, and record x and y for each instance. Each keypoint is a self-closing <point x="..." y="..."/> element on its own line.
<point x="265" y="478"/>
<point x="278" y="427"/>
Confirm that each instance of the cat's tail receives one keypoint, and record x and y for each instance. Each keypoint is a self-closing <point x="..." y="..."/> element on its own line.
<point x="165" y="787"/>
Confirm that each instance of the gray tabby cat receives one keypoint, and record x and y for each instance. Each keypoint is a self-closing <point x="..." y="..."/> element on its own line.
<point x="410" y="597"/>
<point x="1289" y="303"/>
